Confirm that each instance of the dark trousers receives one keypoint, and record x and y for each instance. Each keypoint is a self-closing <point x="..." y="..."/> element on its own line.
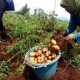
<point x="1" y="26"/>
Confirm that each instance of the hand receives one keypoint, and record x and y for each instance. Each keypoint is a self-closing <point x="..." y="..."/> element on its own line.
<point x="70" y="37"/>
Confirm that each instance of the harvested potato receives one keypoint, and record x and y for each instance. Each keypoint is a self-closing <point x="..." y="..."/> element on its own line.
<point x="54" y="55"/>
<point x="36" y="54"/>
<point x="48" y="60"/>
<point x="35" y="60"/>
<point x="43" y="55"/>
<point x="56" y="47"/>
<point x="53" y="42"/>
<point x="49" y="45"/>
<point x="47" y="53"/>
<point x="44" y="50"/>
<point x="31" y="59"/>
<point x="39" y="52"/>
<point x="40" y="59"/>
<point x="50" y="57"/>
<point x="36" y="49"/>
<point x="32" y="54"/>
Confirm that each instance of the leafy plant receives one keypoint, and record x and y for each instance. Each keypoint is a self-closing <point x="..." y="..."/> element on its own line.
<point x="76" y="62"/>
<point x="20" y="68"/>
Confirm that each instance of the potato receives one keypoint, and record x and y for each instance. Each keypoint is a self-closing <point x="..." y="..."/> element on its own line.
<point x="53" y="55"/>
<point x="56" y="47"/>
<point x="53" y="42"/>
<point x="31" y="59"/>
<point x="48" y="60"/>
<point x="47" y="53"/>
<point x="45" y="59"/>
<point x="35" y="60"/>
<point x="36" y="49"/>
<point x="49" y="57"/>
<point x="43" y="56"/>
<point x="39" y="52"/>
<point x="36" y="54"/>
<point x="32" y="54"/>
<point x="49" y="45"/>
<point x="44" y="50"/>
<point x="40" y="59"/>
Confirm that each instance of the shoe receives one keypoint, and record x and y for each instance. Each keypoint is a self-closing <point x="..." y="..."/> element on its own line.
<point x="5" y="37"/>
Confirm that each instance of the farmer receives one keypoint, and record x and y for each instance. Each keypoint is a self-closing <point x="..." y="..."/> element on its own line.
<point x="5" y="5"/>
<point x="73" y="8"/>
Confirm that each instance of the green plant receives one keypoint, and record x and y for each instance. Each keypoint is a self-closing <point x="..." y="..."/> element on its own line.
<point x="24" y="44"/>
<point x="76" y="62"/>
<point x="20" y="68"/>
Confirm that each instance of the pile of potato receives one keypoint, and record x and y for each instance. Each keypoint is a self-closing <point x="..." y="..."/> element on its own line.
<point x="45" y="54"/>
<point x="53" y="45"/>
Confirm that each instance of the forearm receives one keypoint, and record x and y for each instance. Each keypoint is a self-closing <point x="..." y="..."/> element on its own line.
<point x="70" y="29"/>
<point x="72" y="25"/>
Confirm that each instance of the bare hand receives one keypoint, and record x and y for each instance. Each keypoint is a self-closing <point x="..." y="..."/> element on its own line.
<point x="69" y="37"/>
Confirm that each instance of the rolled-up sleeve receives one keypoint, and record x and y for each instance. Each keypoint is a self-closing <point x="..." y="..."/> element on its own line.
<point x="77" y="37"/>
<point x="72" y="25"/>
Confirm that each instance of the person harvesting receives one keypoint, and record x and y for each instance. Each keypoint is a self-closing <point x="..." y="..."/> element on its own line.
<point x="5" y="5"/>
<point x="73" y="8"/>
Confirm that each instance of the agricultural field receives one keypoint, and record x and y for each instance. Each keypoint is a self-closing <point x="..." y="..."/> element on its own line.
<point x="26" y="31"/>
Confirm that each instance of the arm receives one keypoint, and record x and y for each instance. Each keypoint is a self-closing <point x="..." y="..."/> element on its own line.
<point x="71" y="28"/>
<point x="72" y="25"/>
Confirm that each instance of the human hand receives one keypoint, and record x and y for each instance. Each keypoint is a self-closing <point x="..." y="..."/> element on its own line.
<point x="70" y="37"/>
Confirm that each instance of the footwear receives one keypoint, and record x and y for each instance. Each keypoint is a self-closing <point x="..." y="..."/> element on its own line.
<point x="4" y="36"/>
